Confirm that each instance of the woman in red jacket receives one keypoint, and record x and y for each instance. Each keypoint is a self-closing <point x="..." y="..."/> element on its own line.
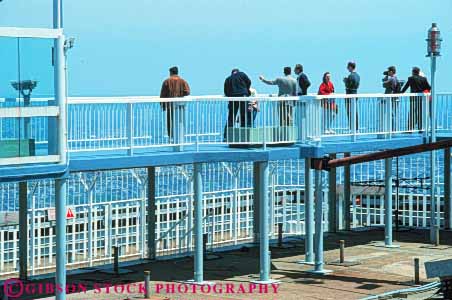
<point x="329" y="105"/>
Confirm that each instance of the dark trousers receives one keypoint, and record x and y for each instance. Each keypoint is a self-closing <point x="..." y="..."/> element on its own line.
<point x="169" y="119"/>
<point x="285" y="113"/>
<point x="348" y="105"/>
<point x="246" y="116"/>
<point x="416" y="113"/>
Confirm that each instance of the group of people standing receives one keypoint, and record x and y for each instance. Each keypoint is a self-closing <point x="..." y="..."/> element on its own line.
<point x="238" y="84"/>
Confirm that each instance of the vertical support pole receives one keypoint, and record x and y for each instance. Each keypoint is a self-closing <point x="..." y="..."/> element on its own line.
<point x="147" y="284"/>
<point x="199" y="262"/>
<point x="60" y="81"/>
<point x="318" y="236"/>
<point x="235" y="205"/>
<point x="256" y="201"/>
<point x="32" y="237"/>
<point x="263" y="224"/>
<point x="23" y="230"/>
<point x="152" y="218"/>
<point x="447" y="190"/>
<point x="388" y="202"/>
<point x="332" y="205"/>
<point x="143" y="220"/>
<point x="309" y="213"/>
<point x="434" y="215"/>
<point x="347" y="195"/>
<point x="341" y="251"/>
<point x="90" y="225"/>
<point x="60" y="211"/>
<point x="416" y="271"/>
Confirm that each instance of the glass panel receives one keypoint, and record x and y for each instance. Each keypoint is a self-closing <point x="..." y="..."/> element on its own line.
<point x="9" y="127"/>
<point x="36" y="75"/>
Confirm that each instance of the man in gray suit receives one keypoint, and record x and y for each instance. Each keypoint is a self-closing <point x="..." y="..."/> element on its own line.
<point x="287" y="86"/>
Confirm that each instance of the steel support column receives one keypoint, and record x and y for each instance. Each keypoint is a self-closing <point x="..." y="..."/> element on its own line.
<point x="256" y="201"/>
<point x="347" y="195"/>
<point x="388" y="202"/>
<point x="264" y="275"/>
<point x="199" y="259"/>
<point x="23" y="230"/>
<point x="309" y="213"/>
<point x="152" y="217"/>
<point x="318" y="235"/>
<point x="60" y="212"/>
<point x="447" y="190"/>
<point x="332" y="202"/>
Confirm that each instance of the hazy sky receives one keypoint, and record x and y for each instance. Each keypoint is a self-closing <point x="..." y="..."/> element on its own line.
<point x="126" y="47"/>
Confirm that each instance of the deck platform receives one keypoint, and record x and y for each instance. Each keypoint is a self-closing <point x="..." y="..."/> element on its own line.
<point x="381" y="270"/>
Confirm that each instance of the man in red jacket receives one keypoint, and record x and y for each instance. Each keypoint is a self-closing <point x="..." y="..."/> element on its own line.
<point x="173" y="87"/>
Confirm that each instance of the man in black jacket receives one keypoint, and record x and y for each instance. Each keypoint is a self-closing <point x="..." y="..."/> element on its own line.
<point x="417" y="84"/>
<point x="303" y="82"/>
<point x="237" y="85"/>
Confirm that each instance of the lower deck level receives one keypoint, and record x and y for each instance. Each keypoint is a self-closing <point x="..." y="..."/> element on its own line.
<point x="372" y="270"/>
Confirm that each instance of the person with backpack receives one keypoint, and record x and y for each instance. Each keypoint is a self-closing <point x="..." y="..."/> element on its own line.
<point x="237" y="85"/>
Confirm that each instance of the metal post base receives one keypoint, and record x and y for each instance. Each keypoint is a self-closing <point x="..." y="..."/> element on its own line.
<point x="266" y="282"/>
<point x="383" y="245"/>
<point x="305" y="262"/>
<point x="194" y="282"/>
<point x="320" y="272"/>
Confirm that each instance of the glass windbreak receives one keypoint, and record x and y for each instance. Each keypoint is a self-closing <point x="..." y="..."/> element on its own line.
<point x="26" y="91"/>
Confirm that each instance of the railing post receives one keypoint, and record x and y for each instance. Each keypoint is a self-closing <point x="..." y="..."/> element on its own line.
<point x="264" y="120"/>
<point x="301" y="121"/>
<point x="129" y="126"/>
<point x="178" y="124"/>
<point x="352" y="117"/>
<point x="388" y="118"/>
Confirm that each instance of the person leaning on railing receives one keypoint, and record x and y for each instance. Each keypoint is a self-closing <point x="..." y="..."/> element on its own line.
<point x="329" y="105"/>
<point x="287" y="86"/>
<point x="238" y="84"/>
<point x="417" y="84"/>
<point x="351" y="87"/>
<point x="172" y="87"/>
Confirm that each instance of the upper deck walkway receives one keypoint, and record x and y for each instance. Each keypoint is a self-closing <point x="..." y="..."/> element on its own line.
<point x="128" y="132"/>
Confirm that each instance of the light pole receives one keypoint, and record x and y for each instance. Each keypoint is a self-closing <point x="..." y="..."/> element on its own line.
<point x="433" y="50"/>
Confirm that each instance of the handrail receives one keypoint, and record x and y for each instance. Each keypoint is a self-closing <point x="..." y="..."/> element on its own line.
<point x="156" y="99"/>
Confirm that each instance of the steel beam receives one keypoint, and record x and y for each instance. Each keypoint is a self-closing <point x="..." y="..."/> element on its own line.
<point x="334" y="163"/>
